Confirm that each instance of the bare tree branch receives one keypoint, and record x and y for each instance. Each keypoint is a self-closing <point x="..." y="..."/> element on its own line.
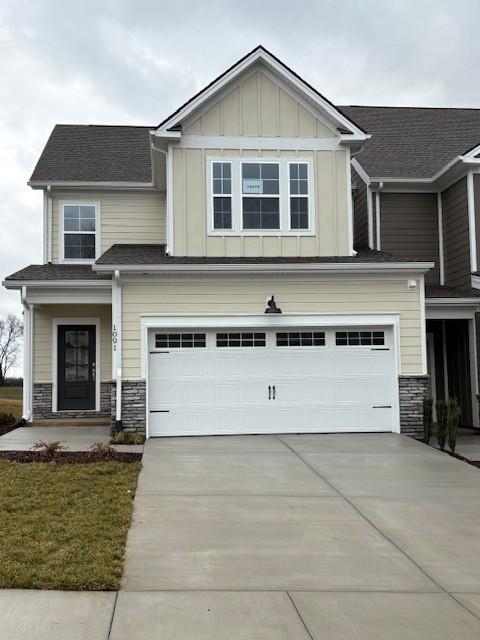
<point x="11" y="332"/>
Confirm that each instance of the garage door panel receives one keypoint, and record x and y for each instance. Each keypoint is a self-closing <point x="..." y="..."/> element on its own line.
<point x="260" y="419"/>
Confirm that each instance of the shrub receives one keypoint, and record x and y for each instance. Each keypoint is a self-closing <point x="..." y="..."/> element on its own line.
<point x="453" y="420"/>
<point x="427" y="418"/>
<point x="442" y="416"/>
<point x="102" y="451"/>
<point x="49" y="449"/>
<point x="7" y="419"/>
<point x="127" y="437"/>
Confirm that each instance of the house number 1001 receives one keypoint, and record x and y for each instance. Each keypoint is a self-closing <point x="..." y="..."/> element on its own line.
<point x="114" y="338"/>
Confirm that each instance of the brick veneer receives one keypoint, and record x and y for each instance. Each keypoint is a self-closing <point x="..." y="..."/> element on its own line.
<point x="412" y="391"/>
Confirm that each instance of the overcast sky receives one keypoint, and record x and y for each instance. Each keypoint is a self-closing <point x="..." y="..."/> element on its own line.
<point x="134" y="62"/>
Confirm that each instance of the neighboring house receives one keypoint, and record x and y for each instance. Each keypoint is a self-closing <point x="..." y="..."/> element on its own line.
<point x="165" y="246"/>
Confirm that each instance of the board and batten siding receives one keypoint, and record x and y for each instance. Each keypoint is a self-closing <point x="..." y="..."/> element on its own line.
<point x="43" y="336"/>
<point x="190" y="208"/>
<point x="257" y="106"/>
<point x="295" y="294"/>
<point x="409" y="228"/>
<point x="456" y="235"/>
<point x="360" y="212"/>
<point x="126" y="217"/>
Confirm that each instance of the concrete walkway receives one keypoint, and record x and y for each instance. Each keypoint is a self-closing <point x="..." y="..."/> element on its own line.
<point x="72" y="438"/>
<point x="330" y="537"/>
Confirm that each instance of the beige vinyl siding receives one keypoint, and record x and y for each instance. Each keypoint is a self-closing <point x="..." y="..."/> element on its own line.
<point x="409" y="228"/>
<point x="241" y="294"/>
<point x="43" y="336"/>
<point x="257" y="106"/>
<point x="360" y="212"/>
<point x="126" y="217"/>
<point x="456" y="235"/>
<point x="190" y="208"/>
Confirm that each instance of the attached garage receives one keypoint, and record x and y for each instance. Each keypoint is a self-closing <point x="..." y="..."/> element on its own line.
<point x="257" y="379"/>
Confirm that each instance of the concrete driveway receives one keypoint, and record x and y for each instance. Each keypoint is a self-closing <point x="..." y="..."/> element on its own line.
<point x="315" y="536"/>
<point x="323" y="537"/>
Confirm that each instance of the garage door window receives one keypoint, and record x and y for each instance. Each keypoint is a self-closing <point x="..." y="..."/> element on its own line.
<point x="303" y="339"/>
<point x="359" y="338"/>
<point x="241" y="340"/>
<point x="179" y="340"/>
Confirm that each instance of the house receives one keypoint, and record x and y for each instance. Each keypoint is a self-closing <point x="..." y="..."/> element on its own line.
<point x="261" y="261"/>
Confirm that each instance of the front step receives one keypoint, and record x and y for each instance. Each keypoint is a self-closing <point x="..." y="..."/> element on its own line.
<point x="72" y="422"/>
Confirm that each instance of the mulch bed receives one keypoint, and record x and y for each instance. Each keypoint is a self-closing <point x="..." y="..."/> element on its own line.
<point x="6" y="429"/>
<point x="69" y="457"/>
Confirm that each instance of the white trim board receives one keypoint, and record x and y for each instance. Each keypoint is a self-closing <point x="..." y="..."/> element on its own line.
<point x="471" y="221"/>
<point x="190" y="141"/>
<point x="56" y="322"/>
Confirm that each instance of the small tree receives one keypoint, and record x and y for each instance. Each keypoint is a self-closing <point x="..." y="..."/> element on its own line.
<point x="11" y="332"/>
<point x="427" y="418"/>
<point x="442" y="417"/>
<point x="453" y="419"/>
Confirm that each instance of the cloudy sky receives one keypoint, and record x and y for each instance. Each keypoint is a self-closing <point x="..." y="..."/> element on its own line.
<point x="135" y="61"/>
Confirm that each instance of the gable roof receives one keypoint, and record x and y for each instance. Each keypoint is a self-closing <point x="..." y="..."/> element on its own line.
<point x="342" y="121"/>
<point x="92" y="153"/>
<point x="414" y="142"/>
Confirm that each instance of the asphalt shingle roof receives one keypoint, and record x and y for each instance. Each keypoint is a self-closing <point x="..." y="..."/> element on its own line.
<point x="57" y="272"/>
<point x="412" y="142"/>
<point x="91" y="153"/>
<point x="406" y="142"/>
<point x="153" y="254"/>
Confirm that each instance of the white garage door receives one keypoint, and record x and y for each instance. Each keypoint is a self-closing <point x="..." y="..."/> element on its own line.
<point x="271" y="381"/>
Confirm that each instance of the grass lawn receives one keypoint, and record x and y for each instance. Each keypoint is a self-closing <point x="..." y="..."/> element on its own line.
<point x="64" y="526"/>
<point x="11" y="400"/>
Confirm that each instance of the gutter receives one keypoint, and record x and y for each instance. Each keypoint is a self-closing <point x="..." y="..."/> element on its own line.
<point x="345" y="267"/>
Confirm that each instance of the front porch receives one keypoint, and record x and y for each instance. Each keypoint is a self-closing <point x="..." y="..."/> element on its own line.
<point x="72" y="438"/>
<point x="451" y="336"/>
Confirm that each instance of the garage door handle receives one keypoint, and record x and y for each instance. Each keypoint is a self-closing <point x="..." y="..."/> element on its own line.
<point x="382" y="406"/>
<point x="269" y="392"/>
<point x="274" y="392"/>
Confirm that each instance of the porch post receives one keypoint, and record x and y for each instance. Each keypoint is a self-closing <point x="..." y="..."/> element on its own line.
<point x="117" y="347"/>
<point x="27" y="355"/>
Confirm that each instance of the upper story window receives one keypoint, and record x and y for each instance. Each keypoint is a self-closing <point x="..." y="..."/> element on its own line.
<point x="80" y="231"/>
<point x="260" y="196"/>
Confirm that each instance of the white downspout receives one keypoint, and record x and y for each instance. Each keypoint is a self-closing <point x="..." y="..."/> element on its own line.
<point x="117" y="336"/>
<point x="27" y="355"/>
<point x="49" y="224"/>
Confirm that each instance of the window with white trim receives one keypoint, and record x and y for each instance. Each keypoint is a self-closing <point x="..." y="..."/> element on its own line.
<point x="80" y="231"/>
<point x="298" y="195"/>
<point x="222" y="195"/>
<point x="260" y="196"/>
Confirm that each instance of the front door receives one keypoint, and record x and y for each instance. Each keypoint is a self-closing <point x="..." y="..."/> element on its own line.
<point x="76" y="367"/>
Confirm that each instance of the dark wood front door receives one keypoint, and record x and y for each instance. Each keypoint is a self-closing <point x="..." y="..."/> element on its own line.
<point x="76" y="367"/>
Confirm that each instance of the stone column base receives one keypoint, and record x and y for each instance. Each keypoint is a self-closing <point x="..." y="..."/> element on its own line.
<point x="134" y="396"/>
<point x="412" y="390"/>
